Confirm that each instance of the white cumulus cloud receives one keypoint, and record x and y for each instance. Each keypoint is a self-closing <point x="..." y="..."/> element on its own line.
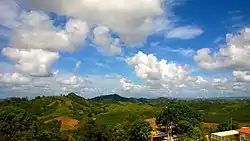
<point x="38" y="27"/>
<point x="148" y="67"/>
<point x="105" y="43"/>
<point x="127" y="85"/>
<point x="163" y="77"/>
<point x="132" y="20"/>
<point x="73" y="80"/>
<point x="232" y="57"/>
<point x="14" y="78"/>
<point x="35" y="62"/>
<point x="10" y="11"/>
<point x="241" y="76"/>
<point x="35" y="42"/>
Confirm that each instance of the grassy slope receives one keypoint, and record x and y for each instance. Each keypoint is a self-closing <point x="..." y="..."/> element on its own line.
<point x="126" y="111"/>
<point x="49" y="108"/>
<point x="112" y="112"/>
<point x="221" y="111"/>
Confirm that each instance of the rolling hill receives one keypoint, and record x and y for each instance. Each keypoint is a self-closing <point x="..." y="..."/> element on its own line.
<point x="110" y="98"/>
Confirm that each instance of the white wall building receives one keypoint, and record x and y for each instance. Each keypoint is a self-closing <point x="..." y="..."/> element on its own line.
<point x="224" y="136"/>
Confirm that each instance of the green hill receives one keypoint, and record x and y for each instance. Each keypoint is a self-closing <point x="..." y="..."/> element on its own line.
<point x="110" y="98"/>
<point x="73" y="105"/>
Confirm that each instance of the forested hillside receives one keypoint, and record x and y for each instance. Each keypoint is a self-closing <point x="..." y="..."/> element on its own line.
<point x="112" y="117"/>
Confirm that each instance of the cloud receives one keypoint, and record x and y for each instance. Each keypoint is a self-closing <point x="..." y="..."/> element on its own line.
<point x="238" y="17"/>
<point x="35" y="62"/>
<point x="148" y="67"/>
<point x="234" y="12"/>
<point x="241" y="76"/>
<point x="168" y="79"/>
<point x="162" y="77"/>
<point x="218" y="40"/>
<point x="93" y="85"/>
<point x="105" y="43"/>
<point x="55" y="73"/>
<point x="232" y="57"/>
<point x="230" y="86"/>
<point x="188" y="52"/>
<point x="72" y="81"/>
<point x="6" y="67"/>
<point x="131" y="20"/>
<point x="14" y="78"/>
<point x="62" y="83"/>
<point x="35" y="42"/>
<point x="11" y="11"/>
<point x="38" y="27"/>
<point x="78" y="63"/>
<point x="127" y="85"/>
<point x="184" y="32"/>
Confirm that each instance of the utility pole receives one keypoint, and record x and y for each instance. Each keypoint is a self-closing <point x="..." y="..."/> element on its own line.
<point x="171" y="131"/>
<point x="231" y="123"/>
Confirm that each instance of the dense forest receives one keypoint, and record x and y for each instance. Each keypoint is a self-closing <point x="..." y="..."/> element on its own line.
<point x="115" y="118"/>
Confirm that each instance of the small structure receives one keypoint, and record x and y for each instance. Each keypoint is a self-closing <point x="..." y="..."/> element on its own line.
<point x="244" y="133"/>
<point x="230" y="135"/>
<point x="157" y="135"/>
<point x="159" y="132"/>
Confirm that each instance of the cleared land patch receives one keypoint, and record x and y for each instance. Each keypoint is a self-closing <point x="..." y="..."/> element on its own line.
<point x="67" y="123"/>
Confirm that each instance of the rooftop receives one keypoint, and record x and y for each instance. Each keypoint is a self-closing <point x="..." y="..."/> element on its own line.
<point x="245" y="130"/>
<point x="226" y="133"/>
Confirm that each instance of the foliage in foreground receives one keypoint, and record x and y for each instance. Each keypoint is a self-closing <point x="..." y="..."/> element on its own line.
<point x="17" y="125"/>
<point x="182" y="120"/>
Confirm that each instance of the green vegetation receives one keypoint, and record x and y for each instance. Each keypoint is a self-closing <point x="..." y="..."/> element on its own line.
<point x="183" y="119"/>
<point x="115" y="118"/>
<point x="16" y="124"/>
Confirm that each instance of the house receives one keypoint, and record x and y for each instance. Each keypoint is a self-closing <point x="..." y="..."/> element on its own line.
<point x="159" y="132"/>
<point x="231" y="135"/>
<point x="158" y="135"/>
<point x="244" y="133"/>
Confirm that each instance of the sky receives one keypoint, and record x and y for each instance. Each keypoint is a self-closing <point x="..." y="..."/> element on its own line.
<point x="135" y="48"/>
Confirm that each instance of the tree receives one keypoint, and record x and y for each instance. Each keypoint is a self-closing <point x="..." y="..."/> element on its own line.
<point x="119" y="132"/>
<point x="91" y="131"/>
<point x="165" y="118"/>
<point x="183" y="127"/>
<point x="140" y="131"/>
<point x="187" y="132"/>
<point x="171" y="115"/>
<point x="229" y="125"/>
<point x="15" y="123"/>
<point x="49" y="131"/>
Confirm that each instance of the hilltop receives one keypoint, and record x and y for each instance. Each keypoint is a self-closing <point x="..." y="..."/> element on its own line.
<point x="110" y="98"/>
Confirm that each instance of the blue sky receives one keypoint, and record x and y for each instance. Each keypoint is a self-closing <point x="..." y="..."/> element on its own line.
<point x="41" y="42"/>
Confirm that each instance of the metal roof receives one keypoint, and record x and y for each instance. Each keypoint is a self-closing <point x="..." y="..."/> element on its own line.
<point x="226" y="133"/>
<point x="245" y="130"/>
<point x="160" y="134"/>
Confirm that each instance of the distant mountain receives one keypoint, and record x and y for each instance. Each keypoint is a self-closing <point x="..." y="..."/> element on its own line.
<point x="111" y="98"/>
<point x="228" y="98"/>
<point x="118" y="98"/>
<point x="75" y="97"/>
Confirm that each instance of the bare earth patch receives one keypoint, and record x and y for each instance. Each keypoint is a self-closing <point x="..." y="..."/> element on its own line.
<point x="151" y="121"/>
<point x="67" y="123"/>
<point x="209" y="125"/>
